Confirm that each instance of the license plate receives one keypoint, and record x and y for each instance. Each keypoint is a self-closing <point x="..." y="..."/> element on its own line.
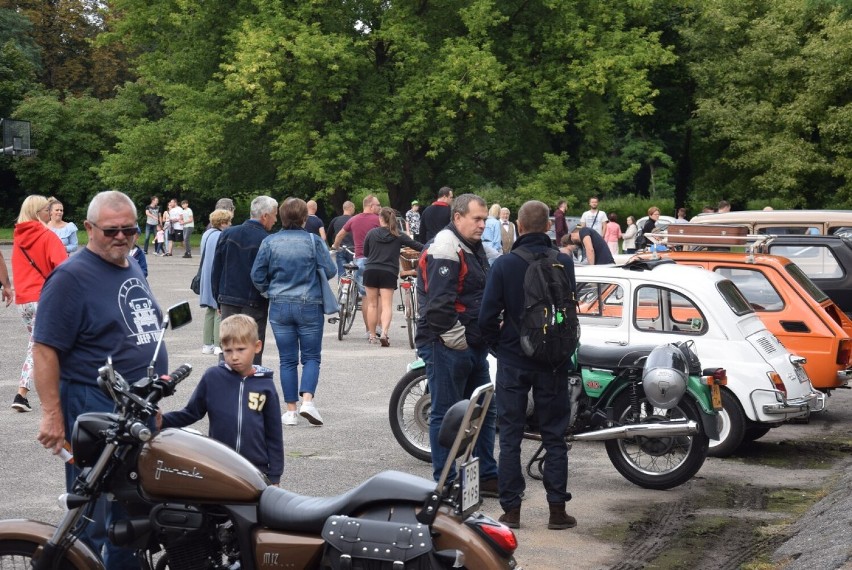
<point x="470" y="484"/>
<point x="716" y="397"/>
<point x="801" y="374"/>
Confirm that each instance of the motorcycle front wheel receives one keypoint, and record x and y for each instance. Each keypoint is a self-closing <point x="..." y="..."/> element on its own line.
<point x="17" y="555"/>
<point x="657" y="462"/>
<point x="408" y="412"/>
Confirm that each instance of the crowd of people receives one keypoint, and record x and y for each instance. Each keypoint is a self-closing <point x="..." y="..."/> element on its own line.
<point x="470" y="292"/>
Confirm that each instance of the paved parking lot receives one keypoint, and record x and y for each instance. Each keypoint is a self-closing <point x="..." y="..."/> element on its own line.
<point x="356" y="442"/>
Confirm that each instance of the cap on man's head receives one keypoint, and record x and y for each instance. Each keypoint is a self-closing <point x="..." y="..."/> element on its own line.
<point x="415" y="203"/>
<point x="224" y="204"/>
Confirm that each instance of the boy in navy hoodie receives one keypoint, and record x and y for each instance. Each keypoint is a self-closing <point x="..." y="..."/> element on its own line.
<point x="240" y="399"/>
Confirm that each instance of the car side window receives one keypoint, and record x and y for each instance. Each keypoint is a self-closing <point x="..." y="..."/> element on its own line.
<point x="755" y="287"/>
<point x="658" y="309"/>
<point x="816" y="261"/>
<point x="790" y="230"/>
<point x="601" y="300"/>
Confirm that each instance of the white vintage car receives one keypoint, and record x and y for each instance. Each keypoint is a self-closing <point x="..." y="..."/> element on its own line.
<point x="656" y="302"/>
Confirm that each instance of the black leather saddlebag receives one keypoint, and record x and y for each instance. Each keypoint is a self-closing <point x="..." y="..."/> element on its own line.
<point x="367" y="544"/>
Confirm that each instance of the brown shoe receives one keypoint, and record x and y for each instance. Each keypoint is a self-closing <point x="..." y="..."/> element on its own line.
<point x="489" y="488"/>
<point x="559" y="519"/>
<point x="511" y="518"/>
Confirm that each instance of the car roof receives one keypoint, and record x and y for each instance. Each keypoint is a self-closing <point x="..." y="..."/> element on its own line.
<point x="664" y="272"/>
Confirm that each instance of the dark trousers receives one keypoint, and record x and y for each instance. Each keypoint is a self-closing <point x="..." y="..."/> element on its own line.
<point x="260" y="314"/>
<point x="550" y="396"/>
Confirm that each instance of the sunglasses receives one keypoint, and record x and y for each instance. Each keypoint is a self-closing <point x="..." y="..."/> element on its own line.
<point x="112" y="232"/>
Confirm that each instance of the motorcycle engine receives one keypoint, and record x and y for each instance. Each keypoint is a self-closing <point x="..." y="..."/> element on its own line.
<point x="664" y="376"/>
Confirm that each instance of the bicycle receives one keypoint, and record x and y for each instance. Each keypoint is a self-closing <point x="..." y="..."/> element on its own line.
<point x="408" y="290"/>
<point x="348" y="297"/>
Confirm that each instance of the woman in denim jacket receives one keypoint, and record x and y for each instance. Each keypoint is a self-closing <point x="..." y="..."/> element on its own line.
<point x="286" y="271"/>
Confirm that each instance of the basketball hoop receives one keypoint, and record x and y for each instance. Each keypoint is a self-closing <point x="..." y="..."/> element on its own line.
<point x="16" y="138"/>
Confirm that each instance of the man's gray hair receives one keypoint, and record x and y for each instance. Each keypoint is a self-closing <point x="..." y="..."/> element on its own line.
<point x="112" y="199"/>
<point x="461" y="204"/>
<point x="263" y="205"/>
<point x="533" y="216"/>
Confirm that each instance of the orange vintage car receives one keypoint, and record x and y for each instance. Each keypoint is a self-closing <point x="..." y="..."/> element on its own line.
<point x="790" y="305"/>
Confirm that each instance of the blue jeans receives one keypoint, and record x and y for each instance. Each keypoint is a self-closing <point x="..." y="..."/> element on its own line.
<point x="453" y="375"/>
<point x="342" y="258"/>
<point x="150" y="229"/>
<point x="359" y="276"/>
<point x="550" y="396"/>
<point x="77" y="399"/>
<point x="298" y="329"/>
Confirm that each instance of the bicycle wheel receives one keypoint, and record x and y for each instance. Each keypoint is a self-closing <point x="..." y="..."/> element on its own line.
<point x="351" y="307"/>
<point x="341" y="315"/>
<point x="410" y="305"/>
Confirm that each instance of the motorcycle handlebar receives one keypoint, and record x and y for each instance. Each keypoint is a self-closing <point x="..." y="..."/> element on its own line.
<point x="180" y="374"/>
<point x="140" y="431"/>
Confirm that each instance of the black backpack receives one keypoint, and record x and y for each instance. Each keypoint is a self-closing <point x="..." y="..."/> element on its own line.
<point x="549" y="328"/>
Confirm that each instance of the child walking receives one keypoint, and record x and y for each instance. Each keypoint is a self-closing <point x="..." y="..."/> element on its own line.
<point x="159" y="238"/>
<point x="240" y="400"/>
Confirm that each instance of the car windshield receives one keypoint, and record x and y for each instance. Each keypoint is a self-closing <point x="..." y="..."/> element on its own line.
<point x="738" y="304"/>
<point x="796" y="273"/>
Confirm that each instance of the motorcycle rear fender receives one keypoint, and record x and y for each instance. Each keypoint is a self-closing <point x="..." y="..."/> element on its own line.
<point x="416" y="365"/>
<point x="80" y="555"/>
<point x="450" y="533"/>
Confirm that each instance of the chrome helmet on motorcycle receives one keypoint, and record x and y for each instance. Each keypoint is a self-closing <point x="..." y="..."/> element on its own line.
<point x="664" y="376"/>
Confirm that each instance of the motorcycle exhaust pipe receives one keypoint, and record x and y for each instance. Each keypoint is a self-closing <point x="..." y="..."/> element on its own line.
<point x="673" y="428"/>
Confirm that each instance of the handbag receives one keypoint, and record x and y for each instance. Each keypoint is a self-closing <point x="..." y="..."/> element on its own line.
<point x="195" y="285"/>
<point x="329" y="299"/>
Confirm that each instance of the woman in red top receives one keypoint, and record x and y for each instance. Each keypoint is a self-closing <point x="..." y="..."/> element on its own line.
<point x="35" y="252"/>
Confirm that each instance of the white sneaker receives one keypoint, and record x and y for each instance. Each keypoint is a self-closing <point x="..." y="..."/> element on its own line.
<point x="289" y="418"/>
<point x="207" y="349"/>
<point x="309" y="412"/>
<point x="217" y="350"/>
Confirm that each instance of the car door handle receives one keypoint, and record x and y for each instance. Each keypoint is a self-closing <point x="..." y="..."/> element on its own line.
<point x="618" y="342"/>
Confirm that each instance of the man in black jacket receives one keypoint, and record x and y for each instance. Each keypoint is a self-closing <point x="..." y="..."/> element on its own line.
<point x="436" y="216"/>
<point x="517" y="374"/>
<point x="231" y="277"/>
<point x="450" y="281"/>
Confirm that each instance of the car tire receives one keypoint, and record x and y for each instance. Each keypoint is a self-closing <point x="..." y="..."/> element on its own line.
<point x="733" y="426"/>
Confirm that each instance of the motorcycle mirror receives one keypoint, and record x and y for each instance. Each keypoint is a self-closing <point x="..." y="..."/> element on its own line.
<point x="179" y="315"/>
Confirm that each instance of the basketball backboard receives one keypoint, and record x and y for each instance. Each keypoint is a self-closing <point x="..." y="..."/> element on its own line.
<point x="16" y="138"/>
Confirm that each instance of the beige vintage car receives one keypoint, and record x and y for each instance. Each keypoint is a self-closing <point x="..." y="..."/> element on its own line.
<point x="783" y="222"/>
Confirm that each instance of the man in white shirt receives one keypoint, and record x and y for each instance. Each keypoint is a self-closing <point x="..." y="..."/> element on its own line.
<point x="188" y="226"/>
<point x="508" y="232"/>
<point x="593" y="218"/>
<point x="176" y="220"/>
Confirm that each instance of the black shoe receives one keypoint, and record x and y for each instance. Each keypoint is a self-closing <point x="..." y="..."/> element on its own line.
<point x="187" y="255"/>
<point x="21" y="404"/>
<point x="489" y="488"/>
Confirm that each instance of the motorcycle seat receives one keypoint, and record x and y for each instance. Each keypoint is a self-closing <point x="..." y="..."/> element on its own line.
<point x="284" y="510"/>
<point x="612" y="357"/>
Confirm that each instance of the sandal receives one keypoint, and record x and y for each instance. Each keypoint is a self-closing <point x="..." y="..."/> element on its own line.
<point x="372" y="340"/>
<point x="384" y="340"/>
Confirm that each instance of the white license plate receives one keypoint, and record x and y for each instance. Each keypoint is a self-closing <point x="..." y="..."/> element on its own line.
<point x="470" y="484"/>
<point x="801" y="374"/>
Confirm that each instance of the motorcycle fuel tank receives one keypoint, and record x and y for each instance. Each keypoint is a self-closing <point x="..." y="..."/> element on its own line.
<point x="177" y="464"/>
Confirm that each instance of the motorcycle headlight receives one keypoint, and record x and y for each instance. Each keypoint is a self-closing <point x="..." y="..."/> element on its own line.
<point x="664" y="376"/>
<point x="88" y="439"/>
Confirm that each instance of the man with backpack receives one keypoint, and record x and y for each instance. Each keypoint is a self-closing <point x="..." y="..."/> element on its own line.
<point x="533" y="289"/>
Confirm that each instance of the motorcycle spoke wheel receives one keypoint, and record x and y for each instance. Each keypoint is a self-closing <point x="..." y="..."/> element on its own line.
<point x="657" y="462"/>
<point x="409" y="409"/>
<point x="17" y="555"/>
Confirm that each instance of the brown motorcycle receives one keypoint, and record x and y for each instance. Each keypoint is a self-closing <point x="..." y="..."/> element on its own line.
<point x="194" y="503"/>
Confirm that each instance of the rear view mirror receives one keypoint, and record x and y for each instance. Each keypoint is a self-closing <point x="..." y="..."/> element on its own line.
<point x="180" y="315"/>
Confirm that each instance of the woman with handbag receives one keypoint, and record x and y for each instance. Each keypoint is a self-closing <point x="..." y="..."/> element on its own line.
<point x="219" y="221"/>
<point x="381" y="271"/>
<point x="292" y="270"/>
<point x="35" y="252"/>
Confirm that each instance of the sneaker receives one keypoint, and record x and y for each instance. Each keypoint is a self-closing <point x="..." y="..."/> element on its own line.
<point x="21" y="404"/>
<point x="217" y="350"/>
<point x="289" y="418"/>
<point x="187" y="256"/>
<point x="207" y="349"/>
<point x="309" y="412"/>
<point x="488" y="488"/>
